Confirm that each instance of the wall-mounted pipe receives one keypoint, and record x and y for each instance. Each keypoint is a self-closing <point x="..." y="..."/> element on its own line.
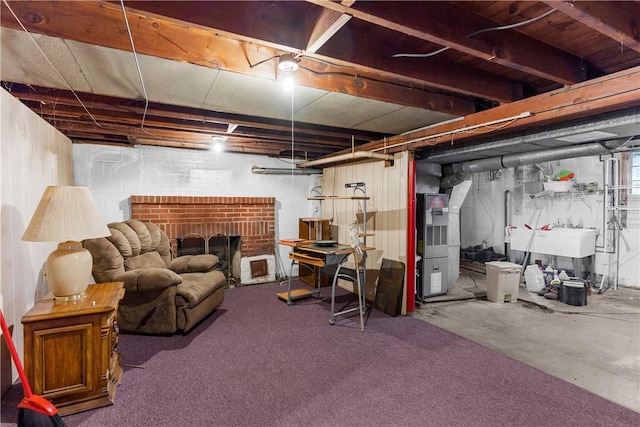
<point x="463" y="170"/>
<point x="356" y="155"/>
<point x="506" y="221"/>
<point x="285" y="171"/>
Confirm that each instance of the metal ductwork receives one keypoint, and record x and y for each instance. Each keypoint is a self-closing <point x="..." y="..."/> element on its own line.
<point x="461" y="171"/>
<point x="285" y="171"/>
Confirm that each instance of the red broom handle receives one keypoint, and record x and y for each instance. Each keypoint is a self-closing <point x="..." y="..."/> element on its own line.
<point x="14" y="355"/>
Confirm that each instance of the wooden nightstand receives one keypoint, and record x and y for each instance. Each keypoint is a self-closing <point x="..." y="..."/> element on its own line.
<point x="70" y="352"/>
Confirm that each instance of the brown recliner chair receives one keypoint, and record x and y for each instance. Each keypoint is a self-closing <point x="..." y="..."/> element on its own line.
<point x="163" y="295"/>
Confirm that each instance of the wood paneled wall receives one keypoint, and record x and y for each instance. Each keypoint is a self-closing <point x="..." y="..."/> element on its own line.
<point x="387" y="187"/>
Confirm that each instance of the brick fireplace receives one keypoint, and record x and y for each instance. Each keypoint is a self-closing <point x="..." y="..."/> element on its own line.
<point x="250" y="218"/>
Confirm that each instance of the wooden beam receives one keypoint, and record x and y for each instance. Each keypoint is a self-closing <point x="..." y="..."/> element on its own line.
<point x="426" y="72"/>
<point x="509" y="49"/>
<point x="167" y="38"/>
<point x="237" y="18"/>
<point x="610" y="93"/>
<point x="327" y="24"/>
<point x="618" y="20"/>
<point x="65" y="103"/>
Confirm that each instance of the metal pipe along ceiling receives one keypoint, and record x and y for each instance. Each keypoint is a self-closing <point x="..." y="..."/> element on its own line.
<point x="285" y="171"/>
<point x="463" y="170"/>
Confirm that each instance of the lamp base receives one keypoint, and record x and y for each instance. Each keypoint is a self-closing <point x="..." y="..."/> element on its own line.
<point x="69" y="271"/>
<point x="70" y="298"/>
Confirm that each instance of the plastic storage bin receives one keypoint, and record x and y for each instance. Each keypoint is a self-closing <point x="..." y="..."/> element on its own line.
<point x="503" y="281"/>
<point x="574" y="292"/>
<point x="534" y="278"/>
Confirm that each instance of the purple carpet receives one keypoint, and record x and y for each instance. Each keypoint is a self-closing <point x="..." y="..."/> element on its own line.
<point x="259" y="362"/>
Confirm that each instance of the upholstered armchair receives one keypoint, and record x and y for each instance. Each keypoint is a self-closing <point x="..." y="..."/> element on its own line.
<point x="163" y="294"/>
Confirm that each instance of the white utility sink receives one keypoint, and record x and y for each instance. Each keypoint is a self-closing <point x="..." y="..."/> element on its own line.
<point x="569" y="242"/>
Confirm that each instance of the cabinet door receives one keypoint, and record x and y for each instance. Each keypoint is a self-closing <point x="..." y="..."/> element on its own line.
<point x="61" y="360"/>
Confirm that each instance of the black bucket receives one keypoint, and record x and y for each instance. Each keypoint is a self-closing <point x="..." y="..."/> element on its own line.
<point x="574" y="292"/>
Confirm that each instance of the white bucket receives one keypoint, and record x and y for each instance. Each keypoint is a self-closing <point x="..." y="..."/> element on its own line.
<point x="534" y="278"/>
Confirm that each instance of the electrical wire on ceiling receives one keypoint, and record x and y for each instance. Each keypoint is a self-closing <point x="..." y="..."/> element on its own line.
<point x="293" y="152"/>
<point x="352" y="75"/>
<point x="492" y="128"/>
<point x="135" y="57"/>
<point x="475" y="33"/>
<point x="408" y="85"/>
<point x="263" y="61"/>
<point x="51" y="64"/>
<point x="512" y="26"/>
<point x="297" y="57"/>
<point x="431" y="140"/>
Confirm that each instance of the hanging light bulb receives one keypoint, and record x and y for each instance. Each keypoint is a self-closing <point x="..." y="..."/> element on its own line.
<point x="218" y="144"/>
<point x="287" y="64"/>
<point x="287" y="81"/>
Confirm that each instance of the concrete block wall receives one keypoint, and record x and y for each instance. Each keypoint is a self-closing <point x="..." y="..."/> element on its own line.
<point x="114" y="174"/>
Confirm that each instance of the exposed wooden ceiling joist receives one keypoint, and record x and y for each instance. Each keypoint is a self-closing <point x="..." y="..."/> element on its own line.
<point x="616" y="92"/>
<point x="619" y="21"/>
<point x="473" y="60"/>
<point x="511" y="50"/>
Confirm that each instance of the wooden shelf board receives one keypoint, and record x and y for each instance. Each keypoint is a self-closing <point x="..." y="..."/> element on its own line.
<point x="338" y="198"/>
<point x="295" y="294"/>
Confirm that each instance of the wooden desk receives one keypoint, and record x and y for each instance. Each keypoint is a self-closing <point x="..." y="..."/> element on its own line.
<point x="306" y="252"/>
<point x="70" y="353"/>
<point x="323" y="256"/>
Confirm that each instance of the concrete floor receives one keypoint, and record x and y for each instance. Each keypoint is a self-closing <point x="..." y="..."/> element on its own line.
<point x="596" y="347"/>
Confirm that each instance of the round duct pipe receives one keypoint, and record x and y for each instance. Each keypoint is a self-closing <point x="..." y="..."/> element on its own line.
<point x="284" y="171"/>
<point x="463" y="170"/>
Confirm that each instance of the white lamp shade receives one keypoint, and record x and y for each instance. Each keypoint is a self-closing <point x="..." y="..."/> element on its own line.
<point x="66" y="213"/>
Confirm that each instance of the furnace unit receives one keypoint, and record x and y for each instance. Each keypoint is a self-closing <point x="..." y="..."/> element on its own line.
<point x="432" y="219"/>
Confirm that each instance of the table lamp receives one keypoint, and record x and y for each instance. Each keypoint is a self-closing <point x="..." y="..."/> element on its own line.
<point x="67" y="214"/>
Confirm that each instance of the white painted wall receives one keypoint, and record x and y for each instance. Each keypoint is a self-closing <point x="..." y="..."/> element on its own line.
<point x="113" y="174"/>
<point x="483" y="218"/>
<point x="33" y="156"/>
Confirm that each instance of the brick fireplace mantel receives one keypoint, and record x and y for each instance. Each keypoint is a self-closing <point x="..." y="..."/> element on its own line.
<point x="251" y="218"/>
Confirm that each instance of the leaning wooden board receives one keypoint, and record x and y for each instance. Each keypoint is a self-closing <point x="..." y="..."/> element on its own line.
<point x="388" y="297"/>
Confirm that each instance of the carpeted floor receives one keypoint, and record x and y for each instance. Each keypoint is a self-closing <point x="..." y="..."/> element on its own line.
<point x="259" y="362"/>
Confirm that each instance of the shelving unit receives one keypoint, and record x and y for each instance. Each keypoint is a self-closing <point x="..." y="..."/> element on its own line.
<point x="313" y="229"/>
<point x="364" y="198"/>
<point x="361" y="265"/>
<point x="330" y="259"/>
<point x="577" y="195"/>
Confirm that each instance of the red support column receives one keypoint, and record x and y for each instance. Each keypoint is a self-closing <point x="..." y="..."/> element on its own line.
<point x="411" y="239"/>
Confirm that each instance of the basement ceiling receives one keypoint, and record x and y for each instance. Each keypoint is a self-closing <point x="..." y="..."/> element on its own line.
<point x="179" y="73"/>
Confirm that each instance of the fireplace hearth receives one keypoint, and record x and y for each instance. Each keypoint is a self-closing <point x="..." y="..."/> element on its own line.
<point x="200" y="224"/>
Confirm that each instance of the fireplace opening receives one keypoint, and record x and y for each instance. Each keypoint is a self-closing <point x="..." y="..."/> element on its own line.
<point x="226" y="248"/>
<point x="192" y="244"/>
